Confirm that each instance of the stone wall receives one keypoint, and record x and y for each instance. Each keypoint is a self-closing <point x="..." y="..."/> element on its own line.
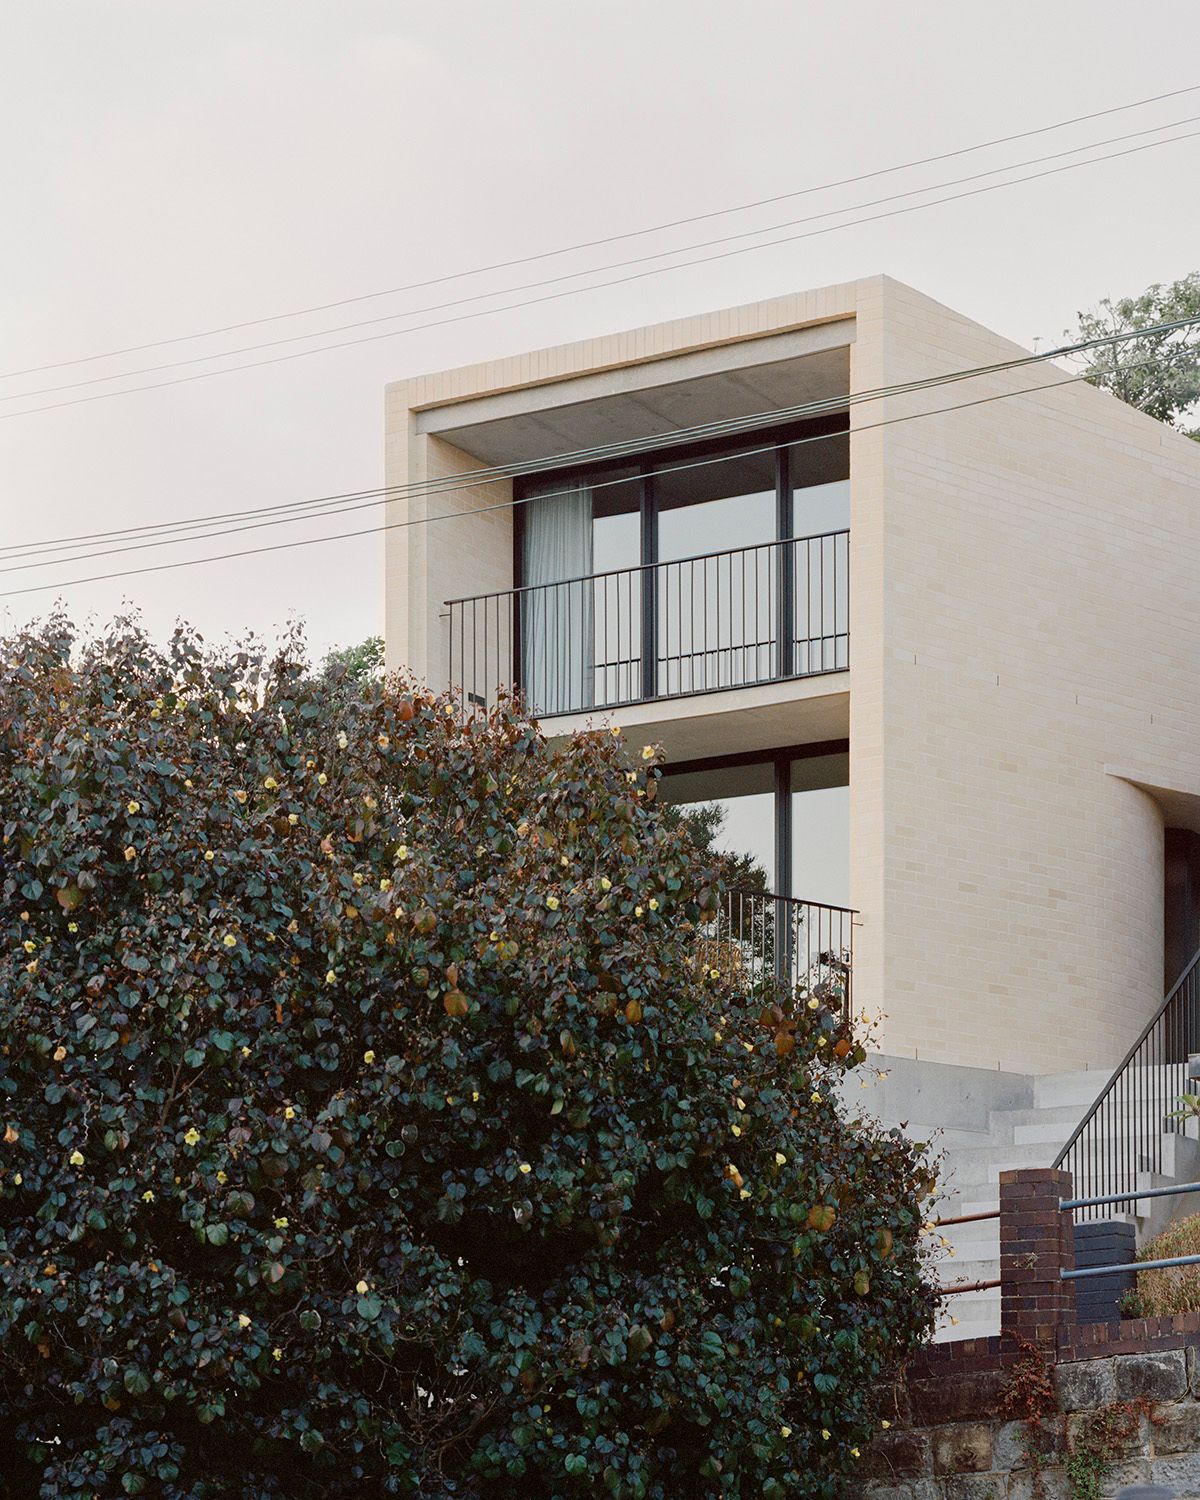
<point x="1124" y="1418"/>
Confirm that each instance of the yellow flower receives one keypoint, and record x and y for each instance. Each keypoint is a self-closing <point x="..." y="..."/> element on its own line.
<point x="637" y="911"/>
<point x="653" y="903"/>
<point x="289" y="1113"/>
<point x="785" y="1432"/>
<point x="241" y="797"/>
<point x="716" y="1036"/>
<point x="293" y="819"/>
<point x="343" y="742"/>
<point x="475" y="1096"/>
<point x="362" y="1288"/>
<point x="281" y="1222"/>
<point x="385" y="884"/>
<point x="322" y="778"/>
<point x="814" y="1098"/>
<point x="243" y="1321"/>
<point x="736" y="1129"/>
<point x="740" y="1102"/>
<point x="72" y="926"/>
<point x="825" y="1433"/>
<point x="780" y="1159"/>
<point x="814" y="1005"/>
<point x="229" y="940"/>
<point x="402" y="851"/>
<point x="370" y="803"/>
<point x="148" y="1196"/>
<point x="745" y="1193"/>
<point x="133" y="807"/>
<point x="59" y="1054"/>
<point x="525" y="1169"/>
<point x="192" y="1137"/>
<point x="270" y="783"/>
<point x="854" y="1453"/>
<point x="647" y="752"/>
<point x="368" y="1056"/>
<point x="209" y="856"/>
<point x="222" y="1179"/>
<point x="330" y="977"/>
<point x="130" y="852"/>
<point x="245" y="1051"/>
<point x="76" y="1158"/>
<point x="188" y="782"/>
<point x="17" y="1179"/>
<point x="383" y="742"/>
<point x="714" y="973"/>
<point x="277" y="1354"/>
<point x="31" y="967"/>
<point x="821" y="1042"/>
<point x="29" y="947"/>
<point x="552" y="902"/>
<point x="614" y="731"/>
<point x="605" y="883"/>
<point x="885" y="1425"/>
<point x="631" y="776"/>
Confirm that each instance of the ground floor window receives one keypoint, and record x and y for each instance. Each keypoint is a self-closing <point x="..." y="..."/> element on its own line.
<point x="779" y="822"/>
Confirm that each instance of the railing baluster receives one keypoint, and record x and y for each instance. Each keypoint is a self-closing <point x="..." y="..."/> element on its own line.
<point x="584" y="642"/>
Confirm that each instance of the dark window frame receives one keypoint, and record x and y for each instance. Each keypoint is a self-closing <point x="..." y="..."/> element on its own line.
<point x="781" y="760"/>
<point x="780" y="438"/>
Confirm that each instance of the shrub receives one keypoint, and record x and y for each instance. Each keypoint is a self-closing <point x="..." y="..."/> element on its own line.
<point x="1177" y="1289"/>
<point x="368" y="1127"/>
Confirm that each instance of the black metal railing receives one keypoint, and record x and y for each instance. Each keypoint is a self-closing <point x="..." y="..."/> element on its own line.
<point x="757" y="937"/>
<point x="1117" y="1147"/>
<point x="663" y="630"/>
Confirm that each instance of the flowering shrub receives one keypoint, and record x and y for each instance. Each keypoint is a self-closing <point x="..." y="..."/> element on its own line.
<point x="368" y="1127"/>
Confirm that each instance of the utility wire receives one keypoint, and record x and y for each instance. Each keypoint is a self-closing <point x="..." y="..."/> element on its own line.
<point x="512" y="504"/>
<point x="594" y="286"/>
<point x="592" y="244"/>
<point x="637" y="260"/>
<point x="386" y="494"/>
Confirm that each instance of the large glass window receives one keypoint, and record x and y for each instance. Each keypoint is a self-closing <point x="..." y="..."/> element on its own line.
<point x="708" y="569"/>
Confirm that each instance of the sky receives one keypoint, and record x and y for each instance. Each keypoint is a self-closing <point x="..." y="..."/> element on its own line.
<point x="169" y="167"/>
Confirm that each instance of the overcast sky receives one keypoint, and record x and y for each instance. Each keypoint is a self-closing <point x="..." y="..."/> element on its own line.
<point x="169" y="167"/>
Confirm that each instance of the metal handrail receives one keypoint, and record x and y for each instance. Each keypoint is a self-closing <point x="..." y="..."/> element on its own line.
<point x="741" y="617"/>
<point x="804" y="943"/>
<point x="649" y="567"/>
<point x="1132" y="1107"/>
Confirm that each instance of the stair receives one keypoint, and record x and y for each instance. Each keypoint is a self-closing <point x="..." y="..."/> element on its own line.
<point x="1025" y="1137"/>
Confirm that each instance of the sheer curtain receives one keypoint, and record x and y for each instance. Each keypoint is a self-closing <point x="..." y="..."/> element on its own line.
<point x="557" y="607"/>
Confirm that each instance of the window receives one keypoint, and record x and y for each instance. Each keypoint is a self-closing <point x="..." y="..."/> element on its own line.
<point x="708" y="568"/>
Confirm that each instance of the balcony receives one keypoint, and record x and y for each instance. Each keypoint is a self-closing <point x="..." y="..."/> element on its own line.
<point x="732" y="619"/>
<point x="758" y="937"/>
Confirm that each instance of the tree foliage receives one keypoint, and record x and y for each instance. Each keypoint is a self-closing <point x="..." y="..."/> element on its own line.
<point x="367" y="1126"/>
<point x="1160" y="373"/>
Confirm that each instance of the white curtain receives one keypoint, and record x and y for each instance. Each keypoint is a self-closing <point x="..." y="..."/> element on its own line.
<point x="557" y="620"/>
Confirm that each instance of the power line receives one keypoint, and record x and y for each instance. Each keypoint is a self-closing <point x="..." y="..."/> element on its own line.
<point x="594" y="286"/>
<point x="727" y="427"/>
<point x="514" y="503"/>
<point x="592" y="244"/>
<point x="637" y="260"/>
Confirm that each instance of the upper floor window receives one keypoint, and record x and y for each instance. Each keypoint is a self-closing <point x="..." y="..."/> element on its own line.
<point x="706" y="568"/>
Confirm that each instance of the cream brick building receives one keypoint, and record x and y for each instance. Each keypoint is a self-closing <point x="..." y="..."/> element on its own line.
<point x="943" y="671"/>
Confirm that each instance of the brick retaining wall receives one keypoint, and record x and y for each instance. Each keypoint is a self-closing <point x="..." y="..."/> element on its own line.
<point x="953" y="1432"/>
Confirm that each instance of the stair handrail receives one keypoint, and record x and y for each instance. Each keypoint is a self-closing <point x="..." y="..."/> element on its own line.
<point x="1175" y="1028"/>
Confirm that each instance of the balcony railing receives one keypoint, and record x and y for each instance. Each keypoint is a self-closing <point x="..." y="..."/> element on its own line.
<point x="757" y="936"/>
<point x="757" y="614"/>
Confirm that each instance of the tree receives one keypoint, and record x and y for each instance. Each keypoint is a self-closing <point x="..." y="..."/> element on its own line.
<point x="354" y="665"/>
<point x="368" y="1127"/>
<point x="1160" y="373"/>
